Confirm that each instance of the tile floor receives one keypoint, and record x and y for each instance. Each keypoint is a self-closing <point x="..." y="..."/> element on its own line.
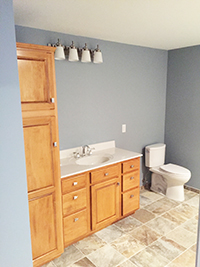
<point x="161" y="233"/>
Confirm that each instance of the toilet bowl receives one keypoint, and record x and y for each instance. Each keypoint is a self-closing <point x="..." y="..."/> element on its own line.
<point x="169" y="179"/>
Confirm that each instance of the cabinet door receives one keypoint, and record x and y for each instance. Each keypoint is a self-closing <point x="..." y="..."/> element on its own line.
<point x="44" y="192"/>
<point x="105" y="203"/>
<point x="43" y="233"/>
<point x="36" y="77"/>
<point x="39" y="136"/>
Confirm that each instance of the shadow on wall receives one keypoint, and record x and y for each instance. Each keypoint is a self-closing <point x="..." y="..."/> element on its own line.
<point x="146" y="181"/>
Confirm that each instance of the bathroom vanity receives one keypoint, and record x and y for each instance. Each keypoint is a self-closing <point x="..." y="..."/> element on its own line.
<point x="83" y="195"/>
<point x="96" y="195"/>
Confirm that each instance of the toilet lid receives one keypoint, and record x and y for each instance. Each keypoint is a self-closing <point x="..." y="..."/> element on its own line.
<point x="172" y="168"/>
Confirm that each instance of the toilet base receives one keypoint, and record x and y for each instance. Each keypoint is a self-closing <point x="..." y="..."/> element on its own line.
<point x="158" y="184"/>
<point x="175" y="192"/>
<point x="166" y="187"/>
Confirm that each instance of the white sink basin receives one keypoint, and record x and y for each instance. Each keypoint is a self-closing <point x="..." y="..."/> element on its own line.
<point x="93" y="160"/>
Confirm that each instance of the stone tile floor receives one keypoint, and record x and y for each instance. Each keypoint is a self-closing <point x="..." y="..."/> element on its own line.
<point x="161" y="233"/>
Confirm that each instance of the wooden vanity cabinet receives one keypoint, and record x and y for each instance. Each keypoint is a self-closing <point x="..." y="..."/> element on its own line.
<point x="130" y="186"/>
<point x="76" y="207"/>
<point x="105" y="196"/>
<point x="96" y="199"/>
<point x="40" y="126"/>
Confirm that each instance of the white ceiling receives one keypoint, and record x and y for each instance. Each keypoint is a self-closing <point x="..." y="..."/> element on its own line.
<point x="165" y="24"/>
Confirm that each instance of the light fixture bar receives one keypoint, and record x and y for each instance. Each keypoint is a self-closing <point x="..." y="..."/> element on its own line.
<point x="73" y="56"/>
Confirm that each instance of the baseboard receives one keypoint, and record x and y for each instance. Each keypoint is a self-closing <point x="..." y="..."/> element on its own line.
<point x="196" y="190"/>
<point x="190" y="188"/>
<point x="145" y="187"/>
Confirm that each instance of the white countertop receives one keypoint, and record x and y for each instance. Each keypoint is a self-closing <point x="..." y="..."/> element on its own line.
<point x="70" y="167"/>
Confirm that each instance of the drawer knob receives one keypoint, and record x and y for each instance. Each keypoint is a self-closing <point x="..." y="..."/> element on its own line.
<point x="76" y="219"/>
<point x="106" y="174"/>
<point x="132" y="166"/>
<point x="132" y="178"/>
<point x="75" y="183"/>
<point x="131" y="196"/>
<point x="75" y="197"/>
<point x="118" y="183"/>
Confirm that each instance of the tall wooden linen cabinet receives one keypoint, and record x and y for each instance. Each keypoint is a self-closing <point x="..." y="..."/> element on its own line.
<point x="40" y="126"/>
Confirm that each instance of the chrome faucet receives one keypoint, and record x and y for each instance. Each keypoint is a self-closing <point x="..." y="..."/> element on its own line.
<point x="86" y="150"/>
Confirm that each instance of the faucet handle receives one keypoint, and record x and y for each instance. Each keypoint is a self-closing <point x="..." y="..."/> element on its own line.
<point x="90" y="150"/>
<point x="76" y="155"/>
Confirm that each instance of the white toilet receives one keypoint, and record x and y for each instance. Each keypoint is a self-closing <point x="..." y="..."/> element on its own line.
<point x="168" y="179"/>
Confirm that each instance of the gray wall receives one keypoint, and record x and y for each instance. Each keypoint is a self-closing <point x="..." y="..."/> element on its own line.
<point x="15" y="244"/>
<point x="94" y="100"/>
<point x="182" y="134"/>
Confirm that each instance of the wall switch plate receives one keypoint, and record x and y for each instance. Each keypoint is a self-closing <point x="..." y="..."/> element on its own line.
<point x="123" y="128"/>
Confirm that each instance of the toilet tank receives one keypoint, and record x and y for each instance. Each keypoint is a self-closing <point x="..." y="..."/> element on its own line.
<point x="155" y="155"/>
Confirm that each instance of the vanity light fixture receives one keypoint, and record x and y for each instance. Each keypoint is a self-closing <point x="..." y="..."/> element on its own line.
<point x="59" y="53"/>
<point x="97" y="55"/>
<point x="73" y="53"/>
<point x="85" y="55"/>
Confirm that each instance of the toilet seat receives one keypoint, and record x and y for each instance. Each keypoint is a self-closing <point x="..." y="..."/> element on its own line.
<point x="174" y="169"/>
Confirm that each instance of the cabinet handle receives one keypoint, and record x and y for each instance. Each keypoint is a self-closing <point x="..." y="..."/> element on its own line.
<point x="132" y="178"/>
<point x="75" y="197"/>
<point x="75" y="183"/>
<point x="118" y="183"/>
<point x="52" y="100"/>
<point x="106" y="174"/>
<point x="131" y="196"/>
<point x="131" y="166"/>
<point x="55" y="144"/>
<point x="76" y="219"/>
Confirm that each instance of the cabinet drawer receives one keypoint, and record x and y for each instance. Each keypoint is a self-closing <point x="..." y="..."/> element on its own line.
<point x="106" y="173"/>
<point x="75" y="226"/>
<point x="74" y="183"/>
<point x="131" y="201"/>
<point x="74" y="201"/>
<point x="131" y="180"/>
<point x="131" y="165"/>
